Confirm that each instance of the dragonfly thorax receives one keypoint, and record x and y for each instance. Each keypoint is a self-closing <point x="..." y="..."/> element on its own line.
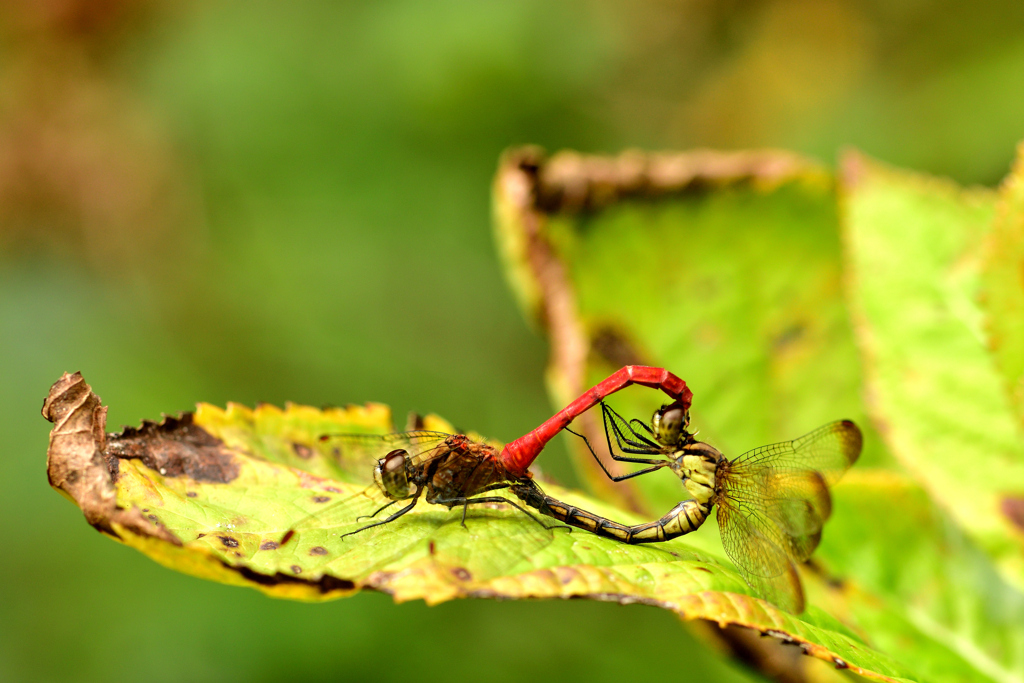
<point x="696" y="464"/>
<point x="392" y="475"/>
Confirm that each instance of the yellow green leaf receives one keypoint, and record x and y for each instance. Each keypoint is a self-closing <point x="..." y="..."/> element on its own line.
<point x="1003" y="284"/>
<point x="213" y="493"/>
<point x="915" y="248"/>
<point x="727" y="269"/>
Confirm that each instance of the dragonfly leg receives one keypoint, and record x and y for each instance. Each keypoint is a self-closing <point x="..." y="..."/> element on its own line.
<point x="654" y="464"/>
<point x="518" y="455"/>
<point x="617" y="425"/>
<point x="392" y="517"/>
<point x="379" y="510"/>
<point x="636" y="424"/>
<point x="497" y="499"/>
<point x="466" y="502"/>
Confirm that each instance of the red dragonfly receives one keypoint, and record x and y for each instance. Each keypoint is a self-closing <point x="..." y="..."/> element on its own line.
<point x="518" y="455"/>
<point x="452" y="470"/>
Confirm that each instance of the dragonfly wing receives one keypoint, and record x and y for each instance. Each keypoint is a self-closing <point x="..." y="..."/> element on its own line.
<point x="802" y="505"/>
<point x="359" y="453"/>
<point x="794" y="502"/>
<point x="417" y="441"/>
<point x="342" y="515"/>
<point x="829" y="450"/>
<point x="752" y="542"/>
<point x="320" y="543"/>
<point x="787" y="483"/>
<point x="495" y="542"/>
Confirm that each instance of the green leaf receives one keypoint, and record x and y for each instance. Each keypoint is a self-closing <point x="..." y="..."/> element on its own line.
<point x="915" y="248"/>
<point x="212" y="494"/>
<point x="915" y="584"/>
<point x="1003" y="282"/>
<point x="727" y="269"/>
<point x="722" y="267"/>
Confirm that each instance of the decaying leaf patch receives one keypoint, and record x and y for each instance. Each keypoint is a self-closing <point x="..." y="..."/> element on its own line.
<point x="175" y="447"/>
<point x="77" y="462"/>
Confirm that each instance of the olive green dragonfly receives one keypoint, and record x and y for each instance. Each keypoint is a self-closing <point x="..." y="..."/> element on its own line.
<point x="772" y="501"/>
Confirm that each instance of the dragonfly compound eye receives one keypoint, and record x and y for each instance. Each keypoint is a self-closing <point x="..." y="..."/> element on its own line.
<point x="391" y="474"/>
<point x="669" y="422"/>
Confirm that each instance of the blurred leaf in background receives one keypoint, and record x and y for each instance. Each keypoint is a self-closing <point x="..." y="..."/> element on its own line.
<point x="258" y="201"/>
<point x="728" y="267"/>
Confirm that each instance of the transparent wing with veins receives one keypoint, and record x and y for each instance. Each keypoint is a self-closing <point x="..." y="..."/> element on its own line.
<point x="488" y="546"/>
<point x="774" y="502"/>
<point x="341" y="514"/>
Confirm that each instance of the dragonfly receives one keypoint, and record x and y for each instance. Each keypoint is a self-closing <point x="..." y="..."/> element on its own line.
<point x="438" y="467"/>
<point x="448" y="470"/>
<point x="772" y="501"/>
<point x="452" y="469"/>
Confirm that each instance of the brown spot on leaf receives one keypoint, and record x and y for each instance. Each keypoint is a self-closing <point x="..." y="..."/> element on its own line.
<point x="287" y="536"/>
<point x="462" y="574"/>
<point x="302" y="450"/>
<point x="840" y="664"/>
<point x="152" y="518"/>
<point x="788" y="337"/>
<point x="567" y="575"/>
<point x="191" y="494"/>
<point x="1013" y="508"/>
<point x="198" y="536"/>
<point x="296" y="569"/>
<point x="269" y="545"/>
<point x="326" y="584"/>
<point x="228" y="541"/>
<point x="332" y="489"/>
<point x="321" y="499"/>
<point x="702" y="569"/>
<point x="318" y="550"/>
<point x="176" y="447"/>
<point x="431" y="548"/>
<point x="615" y="347"/>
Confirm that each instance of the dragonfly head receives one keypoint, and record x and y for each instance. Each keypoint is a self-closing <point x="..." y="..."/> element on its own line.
<point x="670" y="422"/>
<point x="392" y="475"/>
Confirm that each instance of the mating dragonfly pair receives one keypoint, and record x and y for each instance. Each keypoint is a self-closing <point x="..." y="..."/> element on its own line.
<point x="772" y="501"/>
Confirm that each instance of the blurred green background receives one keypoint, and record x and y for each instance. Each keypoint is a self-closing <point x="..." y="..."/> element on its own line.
<point x="258" y="201"/>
